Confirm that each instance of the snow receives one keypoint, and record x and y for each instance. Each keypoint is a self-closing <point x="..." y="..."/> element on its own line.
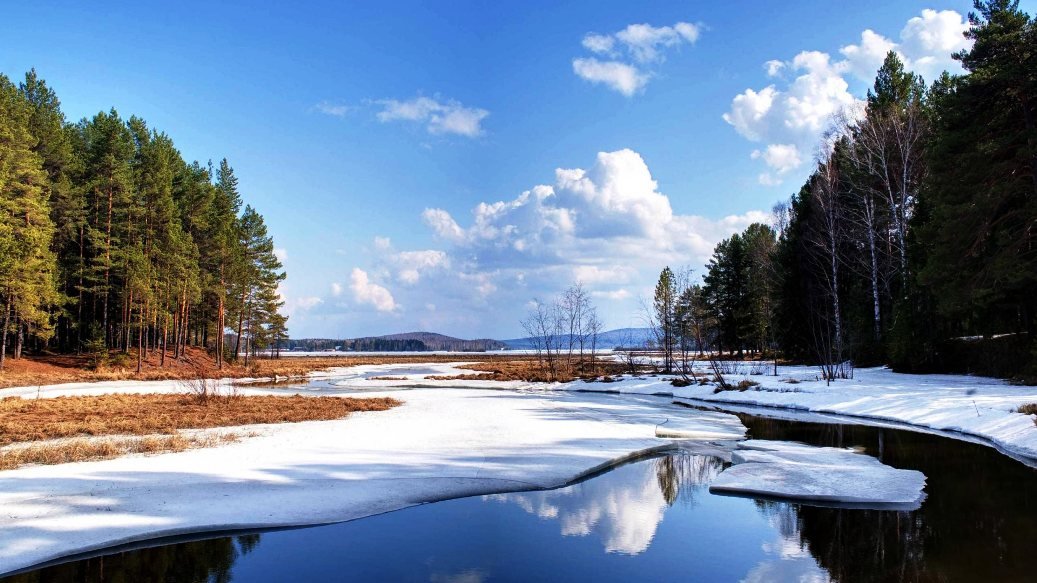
<point x="488" y="438"/>
<point x="793" y="471"/>
<point x="978" y="406"/>
<point x="440" y="444"/>
<point x="704" y="425"/>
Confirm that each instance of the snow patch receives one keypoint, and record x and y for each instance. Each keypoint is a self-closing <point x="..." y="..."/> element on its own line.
<point x="793" y="471"/>
<point x="702" y="425"/>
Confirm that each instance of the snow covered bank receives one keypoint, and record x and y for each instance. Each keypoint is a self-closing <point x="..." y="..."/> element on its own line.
<point x="979" y="406"/>
<point x="440" y="444"/>
<point x="705" y="425"/>
<point x="794" y="471"/>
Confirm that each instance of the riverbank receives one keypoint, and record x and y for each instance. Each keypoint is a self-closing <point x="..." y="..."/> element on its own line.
<point x="46" y="370"/>
<point x="983" y="407"/>
<point x="439" y="444"/>
<point x="497" y="437"/>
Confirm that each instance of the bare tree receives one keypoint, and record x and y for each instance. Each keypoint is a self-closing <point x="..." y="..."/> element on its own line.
<point x="592" y="329"/>
<point x="539" y="327"/>
<point x="557" y="330"/>
<point x="575" y="307"/>
<point x="825" y="238"/>
<point x="888" y="148"/>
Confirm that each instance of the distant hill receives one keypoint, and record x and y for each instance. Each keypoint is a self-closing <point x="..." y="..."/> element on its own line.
<point x="427" y="341"/>
<point x="405" y="342"/>
<point x="434" y="341"/>
<point x="622" y="337"/>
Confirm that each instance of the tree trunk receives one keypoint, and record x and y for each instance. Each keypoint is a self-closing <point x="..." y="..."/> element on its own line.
<point x="140" y="337"/>
<point x="241" y="322"/>
<point x="18" y="338"/>
<point x="220" y="319"/>
<point x="835" y="304"/>
<point x="874" y="281"/>
<point x="79" y="306"/>
<point x="108" y="266"/>
<point x="165" y="331"/>
<point x="3" y="333"/>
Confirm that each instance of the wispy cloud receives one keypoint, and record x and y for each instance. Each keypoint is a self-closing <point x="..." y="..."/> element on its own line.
<point x="439" y="116"/>
<point x="630" y="53"/>
<point x="334" y="109"/>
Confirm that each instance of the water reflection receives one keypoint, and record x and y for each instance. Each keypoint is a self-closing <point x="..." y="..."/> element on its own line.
<point x="209" y="560"/>
<point x="979" y="520"/>
<point x="650" y="520"/>
<point x="625" y="510"/>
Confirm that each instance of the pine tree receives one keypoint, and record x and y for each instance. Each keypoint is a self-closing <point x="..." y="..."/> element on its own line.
<point x="27" y="286"/>
<point x="55" y="146"/>
<point x="979" y="234"/>
<point x="664" y="304"/>
<point x="147" y="247"/>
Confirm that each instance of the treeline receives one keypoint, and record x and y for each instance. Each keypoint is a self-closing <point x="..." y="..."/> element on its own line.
<point x="110" y="240"/>
<point x="914" y="241"/>
<point x="410" y="342"/>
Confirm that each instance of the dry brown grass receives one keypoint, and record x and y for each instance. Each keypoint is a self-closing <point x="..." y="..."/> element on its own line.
<point x="26" y="420"/>
<point x="1029" y="409"/>
<point x="84" y="449"/>
<point x="53" y="369"/>
<point x="71" y="368"/>
<point x="527" y="369"/>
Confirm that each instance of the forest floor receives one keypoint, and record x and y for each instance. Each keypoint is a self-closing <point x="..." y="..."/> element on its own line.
<point x="49" y="369"/>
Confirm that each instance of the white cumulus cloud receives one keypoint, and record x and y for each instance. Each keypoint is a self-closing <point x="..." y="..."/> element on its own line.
<point x="412" y="264"/>
<point x="780" y="157"/>
<point x="606" y="224"/>
<point x="791" y="113"/>
<point x="367" y="292"/>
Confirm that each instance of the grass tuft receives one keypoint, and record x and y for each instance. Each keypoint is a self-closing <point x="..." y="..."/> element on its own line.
<point x="85" y="449"/>
<point x="1029" y="409"/>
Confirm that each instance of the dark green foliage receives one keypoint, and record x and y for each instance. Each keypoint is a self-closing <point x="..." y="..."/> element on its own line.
<point x="128" y="246"/>
<point x="738" y="290"/>
<point x="979" y="236"/>
<point x="935" y="229"/>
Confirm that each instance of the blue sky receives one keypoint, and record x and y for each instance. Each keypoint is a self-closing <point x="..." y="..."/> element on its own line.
<point x="369" y="134"/>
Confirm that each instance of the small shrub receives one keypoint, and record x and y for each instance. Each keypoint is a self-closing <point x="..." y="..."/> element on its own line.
<point x="743" y="385"/>
<point x="121" y="360"/>
<point x="1029" y="409"/>
<point x="678" y="382"/>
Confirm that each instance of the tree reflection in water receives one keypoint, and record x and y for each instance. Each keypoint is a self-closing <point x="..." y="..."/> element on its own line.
<point x="978" y="522"/>
<point x="657" y="518"/>
<point x="682" y="476"/>
<point x="199" y="561"/>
